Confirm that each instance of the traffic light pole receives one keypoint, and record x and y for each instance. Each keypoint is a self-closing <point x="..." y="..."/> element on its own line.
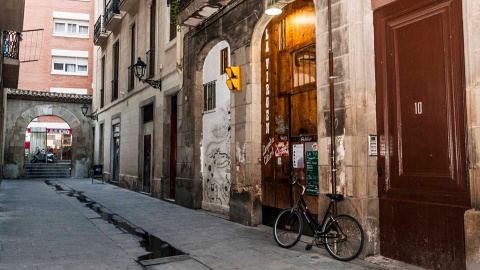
<point x="331" y="79"/>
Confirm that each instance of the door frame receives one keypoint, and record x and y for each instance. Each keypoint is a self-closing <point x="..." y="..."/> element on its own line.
<point x="149" y="101"/>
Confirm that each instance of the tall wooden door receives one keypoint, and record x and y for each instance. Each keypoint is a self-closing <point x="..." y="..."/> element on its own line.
<point x="423" y="182"/>
<point x="289" y="105"/>
<point x="147" y="162"/>
<point x="173" y="145"/>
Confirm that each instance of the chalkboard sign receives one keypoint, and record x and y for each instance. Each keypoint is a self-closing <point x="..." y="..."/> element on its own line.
<point x="312" y="167"/>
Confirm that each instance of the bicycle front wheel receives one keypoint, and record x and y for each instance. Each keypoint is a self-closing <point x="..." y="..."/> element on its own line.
<point x="288" y="228"/>
<point x="344" y="237"/>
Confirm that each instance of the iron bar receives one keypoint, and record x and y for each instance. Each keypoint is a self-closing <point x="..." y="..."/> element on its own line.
<point x="331" y="79"/>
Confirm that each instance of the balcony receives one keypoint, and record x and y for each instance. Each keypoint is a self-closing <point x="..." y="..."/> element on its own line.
<point x="126" y="5"/>
<point x="10" y="52"/>
<point x="193" y="12"/>
<point x="112" y="16"/>
<point x="99" y="34"/>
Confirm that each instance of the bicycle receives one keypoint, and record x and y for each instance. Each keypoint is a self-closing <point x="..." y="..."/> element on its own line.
<point x="342" y="235"/>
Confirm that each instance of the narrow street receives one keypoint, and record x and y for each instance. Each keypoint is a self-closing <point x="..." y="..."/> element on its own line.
<point x="47" y="225"/>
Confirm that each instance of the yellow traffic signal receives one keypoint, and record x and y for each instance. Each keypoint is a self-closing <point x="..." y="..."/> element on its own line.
<point x="235" y="82"/>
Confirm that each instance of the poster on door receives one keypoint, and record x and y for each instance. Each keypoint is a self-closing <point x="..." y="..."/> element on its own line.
<point x="312" y="167"/>
<point x="298" y="159"/>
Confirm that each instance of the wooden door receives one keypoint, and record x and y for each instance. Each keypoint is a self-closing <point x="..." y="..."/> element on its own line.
<point x="289" y="103"/>
<point x="173" y="145"/>
<point x="423" y="183"/>
<point x="147" y="162"/>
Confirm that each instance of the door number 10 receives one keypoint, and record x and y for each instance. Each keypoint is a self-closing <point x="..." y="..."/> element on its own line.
<point x="418" y="108"/>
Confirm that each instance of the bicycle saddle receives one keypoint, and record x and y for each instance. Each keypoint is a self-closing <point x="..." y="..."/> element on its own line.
<point x="335" y="197"/>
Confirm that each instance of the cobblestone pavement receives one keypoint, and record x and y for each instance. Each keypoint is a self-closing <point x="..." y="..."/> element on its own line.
<point x="43" y="228"/>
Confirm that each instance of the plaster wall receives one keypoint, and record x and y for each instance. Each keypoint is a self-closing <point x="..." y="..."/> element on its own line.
<point x="215" y="146"/>
<point x="128" y="107"/>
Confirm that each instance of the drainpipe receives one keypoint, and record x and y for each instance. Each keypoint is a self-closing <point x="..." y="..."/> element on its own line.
<point x="331" y="79"/>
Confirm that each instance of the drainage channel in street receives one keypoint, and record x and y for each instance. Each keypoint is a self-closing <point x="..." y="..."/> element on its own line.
<point x="158" y="250"/>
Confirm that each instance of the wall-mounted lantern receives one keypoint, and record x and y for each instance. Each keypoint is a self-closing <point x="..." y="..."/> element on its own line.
<point x="274" y="7"/>
<point x="85" y="111"/>
<point x="139" y="69"/>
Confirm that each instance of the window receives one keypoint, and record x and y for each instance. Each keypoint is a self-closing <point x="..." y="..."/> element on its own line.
<point x="223" y="60"/>
<point x="70" y="28"/>
<point x="209" y="93"/>
<point x="116" y="59"/>
<point x="151" y="52"/>
<point x="304" y="68"/>
<point x="148" y="113"/>
<point x="69" y="66"/>
<point x="173" y="26"/>
<point x="131" y="69"/>
<point x="102" y="87"/>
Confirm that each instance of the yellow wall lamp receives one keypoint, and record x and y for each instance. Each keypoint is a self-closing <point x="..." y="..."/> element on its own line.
<point x="234" y="82"/>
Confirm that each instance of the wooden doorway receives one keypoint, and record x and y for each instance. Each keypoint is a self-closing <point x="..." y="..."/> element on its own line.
<point x="173" y="145"/>
<point x="423" y="182"/>
<point x="289" y="106"/>
<point x="147" y="162"/>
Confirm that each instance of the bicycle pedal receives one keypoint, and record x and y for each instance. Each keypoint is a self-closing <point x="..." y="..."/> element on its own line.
<point x="308" y="247"/>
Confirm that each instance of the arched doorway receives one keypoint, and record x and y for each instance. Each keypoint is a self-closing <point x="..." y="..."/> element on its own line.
<point x="20" y="115"/>
<point x="289" y="107"/>
<point x="215" y="151"/>
<point x="51" y="134"/>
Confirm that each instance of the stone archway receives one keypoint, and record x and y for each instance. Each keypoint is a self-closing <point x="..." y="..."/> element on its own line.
<point x="21" y="112"/>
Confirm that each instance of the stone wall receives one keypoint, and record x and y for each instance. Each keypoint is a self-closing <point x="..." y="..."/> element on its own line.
<point x="234" y="24"/>
<point x="471" y="23"/>
<point x="20" y="112"/>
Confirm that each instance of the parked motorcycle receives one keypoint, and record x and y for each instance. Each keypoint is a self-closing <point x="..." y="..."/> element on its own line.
<point x="40" y="156"/>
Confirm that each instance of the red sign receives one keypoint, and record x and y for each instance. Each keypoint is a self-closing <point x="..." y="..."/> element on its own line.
<point x="56" y="131"/>
<point x="59" y="131"/>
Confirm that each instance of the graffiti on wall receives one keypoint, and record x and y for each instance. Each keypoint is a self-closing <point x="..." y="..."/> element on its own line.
<point x="216" y="171"/>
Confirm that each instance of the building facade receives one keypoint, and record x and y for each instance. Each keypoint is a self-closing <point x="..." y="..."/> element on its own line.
<point x="64" y="61"/>
<point x="132" y="131"/>
<point x="405" y="77"/>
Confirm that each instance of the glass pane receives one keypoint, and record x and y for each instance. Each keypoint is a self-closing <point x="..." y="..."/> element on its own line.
<point x="57" y="66"/>
<point x="304" y="67"/>
<point x="83" y="30"/>
<point x="82" y="68"/>
<point x="70" y="68"/>
<point x="72" y="28"/>
<point x="59" y="28"/>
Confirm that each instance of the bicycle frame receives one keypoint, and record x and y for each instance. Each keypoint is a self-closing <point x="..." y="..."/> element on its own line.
<point x="314" y="225"/>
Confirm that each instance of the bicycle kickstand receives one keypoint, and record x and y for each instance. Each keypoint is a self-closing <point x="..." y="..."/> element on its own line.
<point x="309" y="246"/>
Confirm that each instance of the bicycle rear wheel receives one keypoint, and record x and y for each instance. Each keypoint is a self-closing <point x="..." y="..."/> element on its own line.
<point x="288" y="228"/>
<point x="344" y="238"/>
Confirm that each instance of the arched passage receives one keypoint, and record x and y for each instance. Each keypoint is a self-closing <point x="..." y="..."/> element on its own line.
<point x="20" y="113"/>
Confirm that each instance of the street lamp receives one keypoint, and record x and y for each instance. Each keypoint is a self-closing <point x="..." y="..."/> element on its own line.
<point x="274" y="8"/>
<point x="85" y="111"/>
<point x="139" y="69"/>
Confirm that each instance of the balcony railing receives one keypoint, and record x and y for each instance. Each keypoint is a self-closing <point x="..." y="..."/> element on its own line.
<point x="110" y="9"/>
<point x="151" y="63"/>
<point x="11" y="44"/>
<point x="98" y="29"/>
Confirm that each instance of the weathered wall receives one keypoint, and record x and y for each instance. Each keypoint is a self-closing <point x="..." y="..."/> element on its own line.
<point x="215" y="148"/>
<point x="21" y="112"/>
<point x="234" y="24"/>
<point x="130" y="102"/>
<point x="12" y="15"/>
<point x="471" y="19"/>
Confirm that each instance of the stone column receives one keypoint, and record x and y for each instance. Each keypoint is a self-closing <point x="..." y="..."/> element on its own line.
<point x="354" y="66"/>
<point x="471" y="24"/>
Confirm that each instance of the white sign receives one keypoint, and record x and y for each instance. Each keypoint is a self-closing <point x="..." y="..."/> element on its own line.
<point x="298" y="159"/>
<point x="372" y="145"/>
